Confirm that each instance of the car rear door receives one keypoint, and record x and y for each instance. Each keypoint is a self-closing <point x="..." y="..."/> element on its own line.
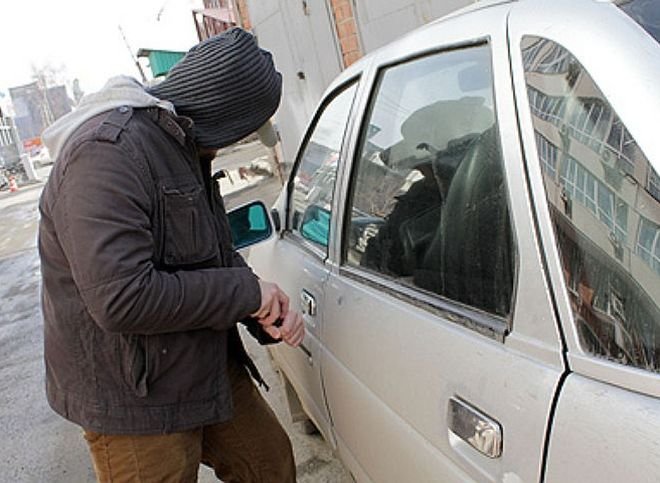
<point x="588" y="103"/>
<point x="441" y="355"/>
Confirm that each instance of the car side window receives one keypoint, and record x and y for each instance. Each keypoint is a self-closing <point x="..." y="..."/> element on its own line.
<point x="604" y="199"/>
<point x="429" y="206"/>
<point x="310" y="203"/>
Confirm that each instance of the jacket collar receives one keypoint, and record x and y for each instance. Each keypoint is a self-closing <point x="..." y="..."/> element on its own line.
<point x="179" y="127"/>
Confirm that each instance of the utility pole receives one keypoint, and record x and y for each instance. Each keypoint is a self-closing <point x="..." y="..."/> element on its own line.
<point x="130" y="51"/>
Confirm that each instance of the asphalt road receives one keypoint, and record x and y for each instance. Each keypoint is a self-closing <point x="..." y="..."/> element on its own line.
<point x="39" y="446"/>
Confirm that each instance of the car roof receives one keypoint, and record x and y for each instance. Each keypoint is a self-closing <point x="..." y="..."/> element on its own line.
<point x="480" y="5"/>
<point x="355" y="68"/>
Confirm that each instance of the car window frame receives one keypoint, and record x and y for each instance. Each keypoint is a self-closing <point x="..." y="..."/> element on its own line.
<point x="522" y="23"/>
<point x="606" y="206"/>
<point x="307" y="245"/>
<point x="484" y="323"/>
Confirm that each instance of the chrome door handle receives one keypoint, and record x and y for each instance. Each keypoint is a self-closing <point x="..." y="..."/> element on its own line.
<point x="308" y="303"/>
<point x="475" y="428"/>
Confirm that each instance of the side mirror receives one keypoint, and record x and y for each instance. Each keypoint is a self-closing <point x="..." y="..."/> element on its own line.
<point x="250" y="224"/>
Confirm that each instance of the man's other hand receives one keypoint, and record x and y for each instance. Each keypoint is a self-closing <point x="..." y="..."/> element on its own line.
<point x="292" y="329"/>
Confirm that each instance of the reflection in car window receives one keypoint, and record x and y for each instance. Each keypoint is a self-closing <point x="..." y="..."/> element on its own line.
<point x="604" y="198"/>
<point x="644" y="12"/>
<point x="429" y="205"/>
<point x="314" y="180"/>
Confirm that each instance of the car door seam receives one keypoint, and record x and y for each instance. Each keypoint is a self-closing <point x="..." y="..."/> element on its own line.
<point x="543" y="256"/>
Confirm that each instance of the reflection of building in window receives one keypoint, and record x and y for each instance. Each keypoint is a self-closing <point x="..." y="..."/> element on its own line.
<point x="622" y="146"/>
<point x="548" y="154"/>
<point x="648" y="244"/>
<point x="603" y="195"/>
<point x="588" y="122"/>
<point x="653" y="184"/>
<point x="548" y="108"/>
<point x="596" y="196"/>
<point x="546" y="57"/>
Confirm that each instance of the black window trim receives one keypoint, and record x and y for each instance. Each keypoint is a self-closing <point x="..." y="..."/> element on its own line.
<point x="308" y="246"/>
<point x="489" y="325"/>
<point x="484" y="323"/>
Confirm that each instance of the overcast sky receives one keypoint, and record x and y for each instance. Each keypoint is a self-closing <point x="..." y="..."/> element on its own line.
<point x="83" y="36"/>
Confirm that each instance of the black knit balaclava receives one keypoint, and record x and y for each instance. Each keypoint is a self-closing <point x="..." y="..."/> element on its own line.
<point x="227" y="85"/>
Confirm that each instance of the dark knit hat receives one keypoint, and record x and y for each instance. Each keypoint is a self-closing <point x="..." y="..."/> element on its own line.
<point x="227" y="85"/>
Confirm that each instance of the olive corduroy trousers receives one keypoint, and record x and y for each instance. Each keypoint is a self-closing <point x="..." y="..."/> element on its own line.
<point x="252" y="447"/>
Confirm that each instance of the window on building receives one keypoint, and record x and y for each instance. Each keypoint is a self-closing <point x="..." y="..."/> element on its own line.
<point x="429" y="205"/>
<point x="654" y="184"/>
<point x="549" y="108"/>
<point x="315" y="174"/>
<point x="605" y="217"/>
<point x="592" y="193"/>
<point x="648" y="244"/>
<point x="588" y="122"/>
<point x="548" y="155"/>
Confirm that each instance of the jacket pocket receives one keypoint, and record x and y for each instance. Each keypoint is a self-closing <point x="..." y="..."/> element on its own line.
<point x="188" y="233"/>
<point x="134" y="362"/>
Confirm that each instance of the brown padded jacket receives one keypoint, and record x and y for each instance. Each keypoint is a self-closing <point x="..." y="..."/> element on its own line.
<point x="141" y="285"/>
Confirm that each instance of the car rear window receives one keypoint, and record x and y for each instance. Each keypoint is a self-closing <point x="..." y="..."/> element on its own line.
<point x="604" y="199"/>
<point x="646" y="13"/>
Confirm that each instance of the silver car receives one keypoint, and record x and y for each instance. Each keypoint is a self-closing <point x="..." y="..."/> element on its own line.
<point x="472" y="231"/>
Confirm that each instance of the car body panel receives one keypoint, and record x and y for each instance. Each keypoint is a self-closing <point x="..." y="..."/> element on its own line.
<point x="386" y="362"/>
<point x="603" y="433"/>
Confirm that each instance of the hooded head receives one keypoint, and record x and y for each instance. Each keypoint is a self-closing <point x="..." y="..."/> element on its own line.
<point x="227" y="85"/>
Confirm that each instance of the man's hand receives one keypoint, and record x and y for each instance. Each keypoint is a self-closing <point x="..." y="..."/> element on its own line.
<point x="274" y="304"/>
<point x="274" y="308"/>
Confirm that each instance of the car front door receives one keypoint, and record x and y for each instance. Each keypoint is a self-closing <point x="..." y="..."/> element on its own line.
<point x="297" y="259"/>
<point x="440" y="356"/>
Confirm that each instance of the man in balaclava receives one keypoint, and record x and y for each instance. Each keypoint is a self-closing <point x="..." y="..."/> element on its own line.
<point x="142" y="288"/>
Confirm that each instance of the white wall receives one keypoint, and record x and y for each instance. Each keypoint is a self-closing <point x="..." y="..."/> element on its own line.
<point x="381" y="21"/>
<point x="304" y="40"/>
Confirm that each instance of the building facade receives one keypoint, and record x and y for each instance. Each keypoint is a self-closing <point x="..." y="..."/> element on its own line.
<point x="36" y="108"/>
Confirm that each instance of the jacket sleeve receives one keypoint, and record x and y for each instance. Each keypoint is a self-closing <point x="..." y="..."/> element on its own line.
<point x="102" y="217"/>
<point x="252" y="325"/>
<point x="238" y="260"/>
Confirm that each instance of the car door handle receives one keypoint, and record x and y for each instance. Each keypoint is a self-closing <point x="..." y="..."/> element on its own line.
<point x="475" y="428"/>
<point x="308" y="303"/>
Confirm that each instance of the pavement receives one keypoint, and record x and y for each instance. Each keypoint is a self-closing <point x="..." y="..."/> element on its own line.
<point x="38" y="445"/>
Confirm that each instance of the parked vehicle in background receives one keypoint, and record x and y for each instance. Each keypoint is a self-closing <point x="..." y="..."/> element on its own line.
<point x="472" y="230"/>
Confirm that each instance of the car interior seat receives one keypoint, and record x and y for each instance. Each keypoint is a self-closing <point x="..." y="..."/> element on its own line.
<point x="469" y="259"/>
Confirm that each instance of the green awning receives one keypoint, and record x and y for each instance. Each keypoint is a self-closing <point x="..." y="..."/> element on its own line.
<point x="161" y="61"/>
